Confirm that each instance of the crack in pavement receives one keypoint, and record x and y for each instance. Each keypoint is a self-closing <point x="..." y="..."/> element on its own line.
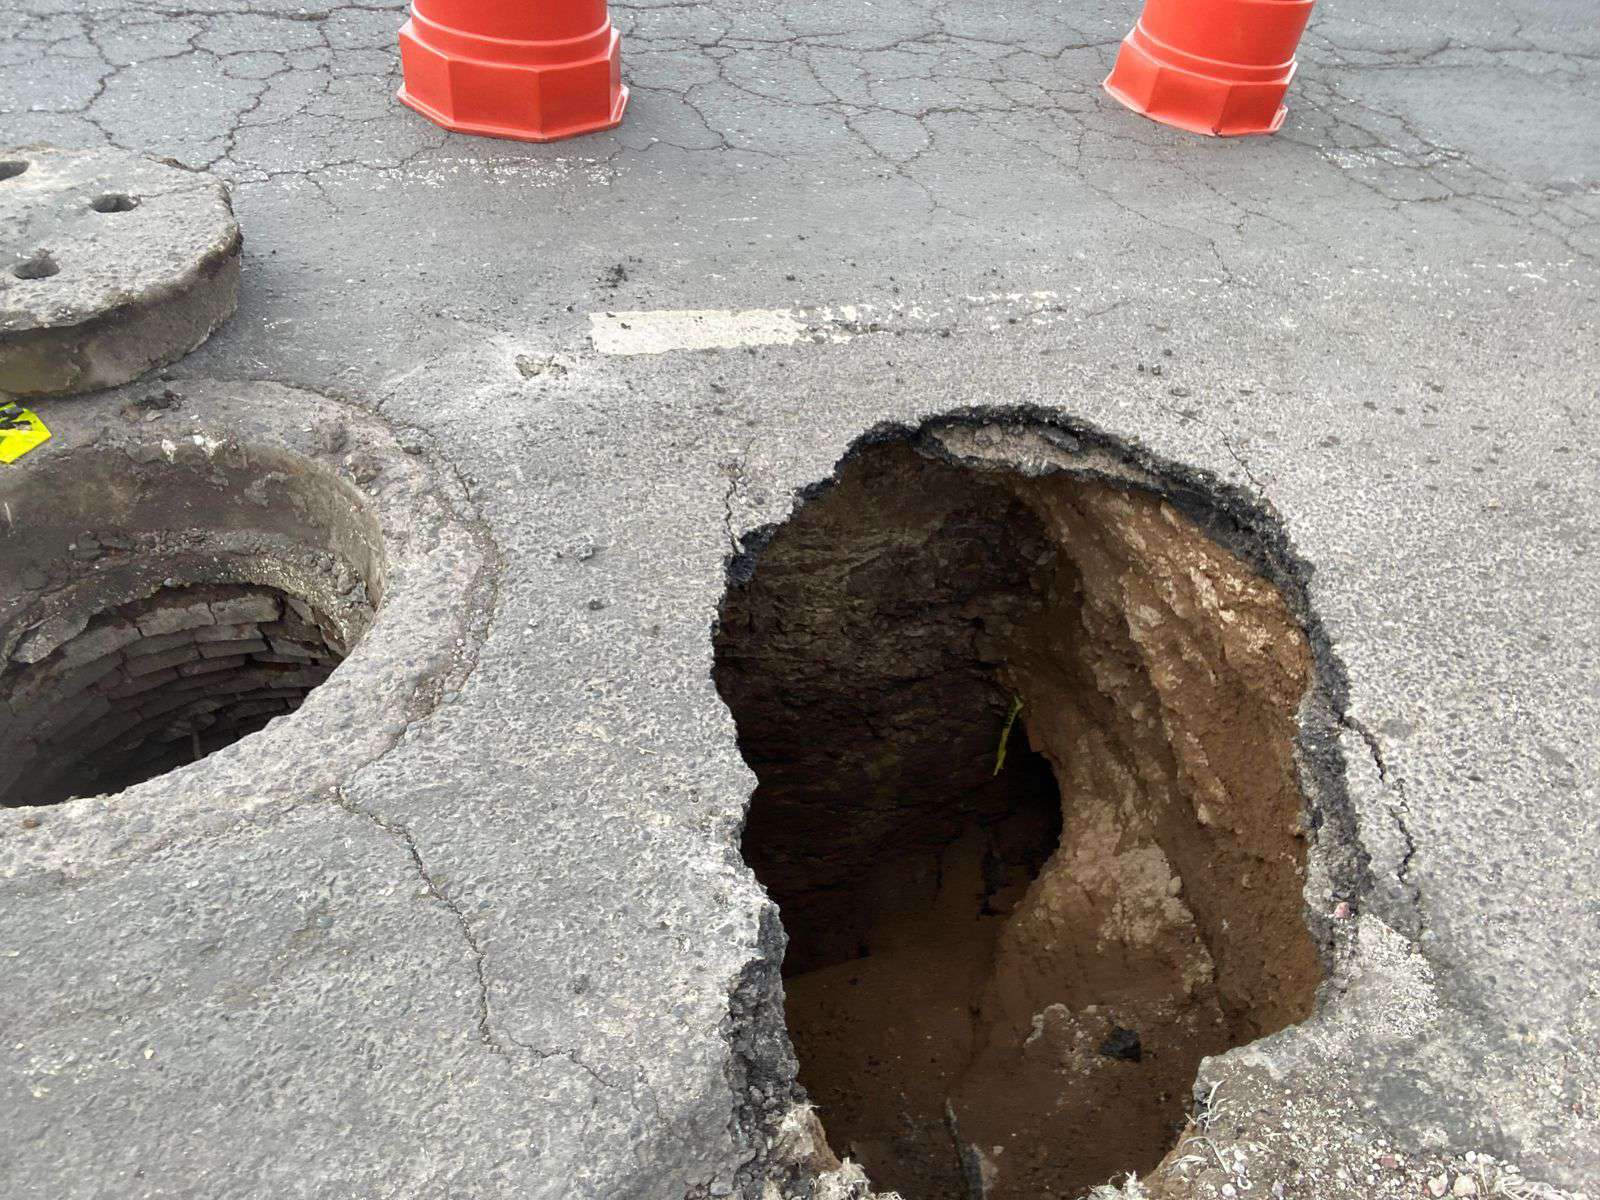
<point x="908" y="97"/>
<point x="735" y="469"/>
<point x="402" y="833"/>
<point x="1397" y="811"/>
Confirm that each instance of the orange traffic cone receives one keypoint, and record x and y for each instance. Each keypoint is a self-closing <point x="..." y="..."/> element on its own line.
<point x="1211" y="66"/>
<point x="535" y="70"/>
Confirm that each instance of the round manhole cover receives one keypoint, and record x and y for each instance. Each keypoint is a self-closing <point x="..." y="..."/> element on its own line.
<point x="110" y="264"/>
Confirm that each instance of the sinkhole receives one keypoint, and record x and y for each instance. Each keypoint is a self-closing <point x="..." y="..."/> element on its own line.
<point x="1027" y="803"/>
<point x="157" y="606"/>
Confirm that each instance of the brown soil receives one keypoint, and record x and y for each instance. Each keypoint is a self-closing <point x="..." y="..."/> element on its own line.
<point x="1001" y="985"/>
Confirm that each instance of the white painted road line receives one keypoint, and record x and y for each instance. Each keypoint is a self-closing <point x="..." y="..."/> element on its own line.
<point x="693" y="329"/>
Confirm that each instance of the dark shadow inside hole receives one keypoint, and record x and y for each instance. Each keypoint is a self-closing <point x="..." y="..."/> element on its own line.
<point x="10" y="168"/>
<point x="114" y="202"/>
<point x="1014" y="976"/>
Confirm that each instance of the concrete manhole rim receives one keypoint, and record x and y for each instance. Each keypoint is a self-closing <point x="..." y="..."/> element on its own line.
<point x="432" y="556"/>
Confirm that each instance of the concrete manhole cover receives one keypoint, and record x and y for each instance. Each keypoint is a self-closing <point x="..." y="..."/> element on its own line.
<point x="1027" y="722"/>
<point x="186" y="571"/>
<point x="110" y="264"/>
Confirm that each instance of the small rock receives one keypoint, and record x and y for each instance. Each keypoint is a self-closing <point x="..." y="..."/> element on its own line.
<point x="150" y="408"/>
<point x="30" y="822"/>
<point x="528" y="366"/>
<point x="363" y="468"/>
<point x="331" y="437"/>
<point x="1341" y="911"/>
<point x="1438" y="1185"/>
<point x="1465" y="1185"/>
<point x="582" y="548"/>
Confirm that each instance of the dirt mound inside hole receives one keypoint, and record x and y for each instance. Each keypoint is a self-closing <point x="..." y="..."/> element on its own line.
<point x="1001" y="984"/>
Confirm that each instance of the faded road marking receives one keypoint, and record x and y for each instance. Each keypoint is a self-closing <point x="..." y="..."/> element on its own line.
<point x="693" y="329"/>
<point x="662" y="330"/>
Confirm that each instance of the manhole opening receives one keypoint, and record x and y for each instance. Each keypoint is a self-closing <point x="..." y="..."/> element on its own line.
<point x="1001" y="983"/>
<point x="158" y="611"/>
<point x="160" y="682"/>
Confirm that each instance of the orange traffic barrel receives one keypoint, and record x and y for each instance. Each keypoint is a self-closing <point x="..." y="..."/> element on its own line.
<point x="1217" y="67"/>
<point x="534" y="70"/>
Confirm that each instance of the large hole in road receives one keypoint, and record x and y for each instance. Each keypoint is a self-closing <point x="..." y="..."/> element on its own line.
<point x="1000" y="983"/>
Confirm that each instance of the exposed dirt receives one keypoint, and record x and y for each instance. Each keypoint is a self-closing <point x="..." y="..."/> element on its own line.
<point x="1001" y="985"/>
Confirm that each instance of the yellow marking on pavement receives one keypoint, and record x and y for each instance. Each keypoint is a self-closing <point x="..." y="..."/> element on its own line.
<point x="21" y="430"/>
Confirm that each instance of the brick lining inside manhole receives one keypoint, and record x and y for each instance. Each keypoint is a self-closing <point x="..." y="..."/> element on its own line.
<point x="1002" y="983"/>
<point x="167" y="600"/>
<point x="154" y="684"/>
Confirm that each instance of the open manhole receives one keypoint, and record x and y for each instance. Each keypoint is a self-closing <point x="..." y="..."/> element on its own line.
<point x="1028" y="804"/>
<point x="117" y="689"/>
<point x="180" y="573"/>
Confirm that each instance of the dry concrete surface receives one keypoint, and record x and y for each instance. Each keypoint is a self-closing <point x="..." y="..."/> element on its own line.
<point x="1269" y="492"/>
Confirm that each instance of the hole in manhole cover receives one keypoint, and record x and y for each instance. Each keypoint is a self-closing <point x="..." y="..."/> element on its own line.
<point x="1002" y="982"/>
<point x="172" y="608"/>
<point x="114" y="202"/>
<point x="37" y="266"/>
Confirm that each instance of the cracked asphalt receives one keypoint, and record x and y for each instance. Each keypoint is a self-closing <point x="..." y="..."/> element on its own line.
<point x="514" y="953"/>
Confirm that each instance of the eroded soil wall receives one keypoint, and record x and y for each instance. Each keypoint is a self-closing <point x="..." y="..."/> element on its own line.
<point x="1002" y="983"/>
